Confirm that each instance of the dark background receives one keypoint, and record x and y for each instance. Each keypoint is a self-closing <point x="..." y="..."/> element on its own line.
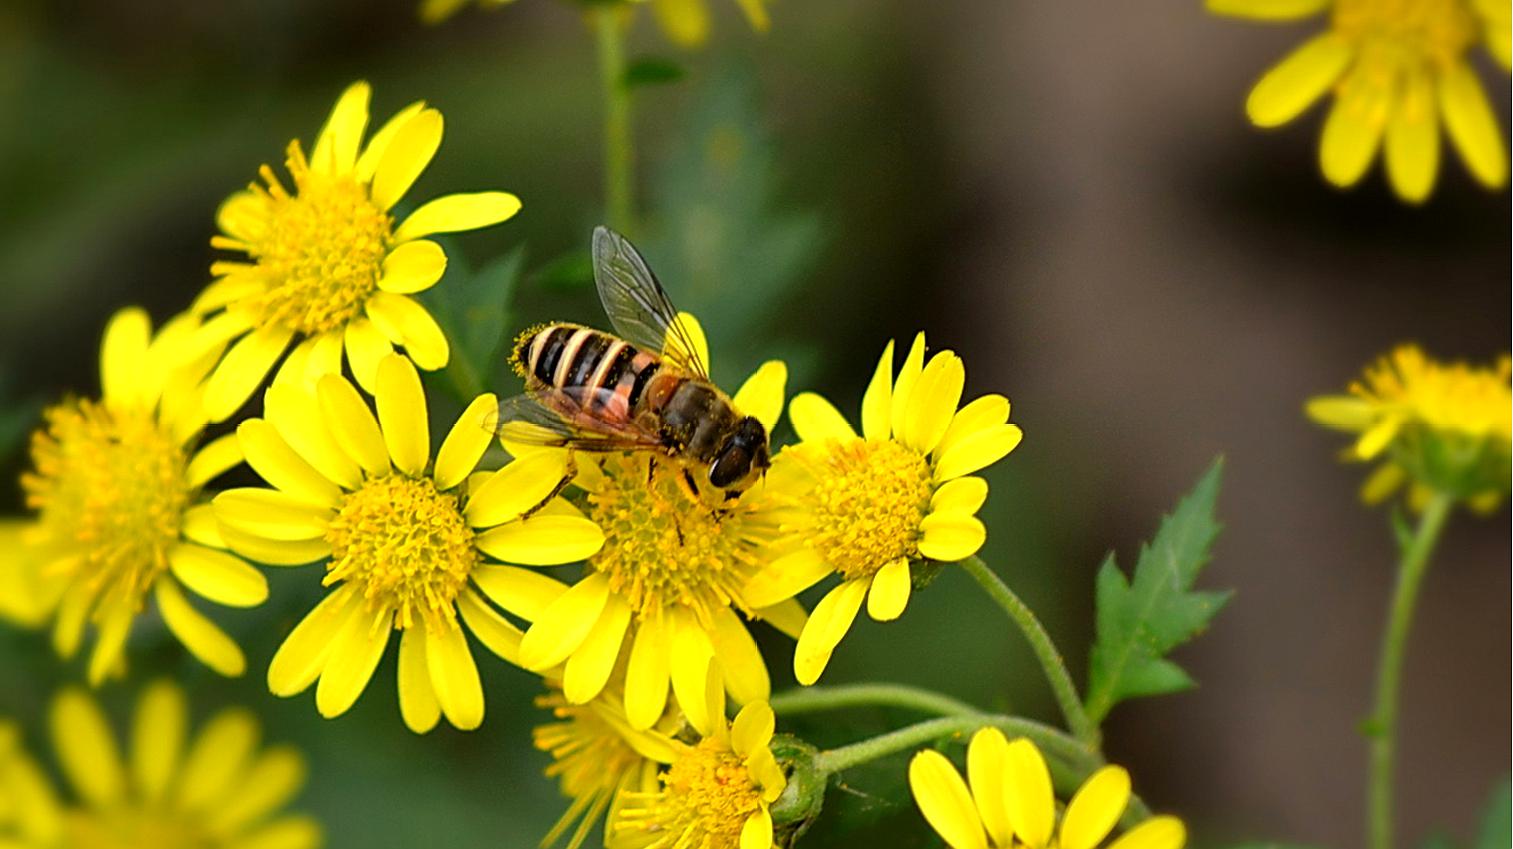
<point x="1065" y="193"/>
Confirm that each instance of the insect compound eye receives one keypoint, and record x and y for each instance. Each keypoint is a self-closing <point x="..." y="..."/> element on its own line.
<point x="731" y="466"/>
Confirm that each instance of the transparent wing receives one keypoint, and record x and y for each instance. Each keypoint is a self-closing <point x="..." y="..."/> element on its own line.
<point x="581" y="419"/>
<point x="636" y="303"/>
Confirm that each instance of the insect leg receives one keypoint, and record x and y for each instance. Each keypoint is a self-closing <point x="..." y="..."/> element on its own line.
<point x="568" y="473"/>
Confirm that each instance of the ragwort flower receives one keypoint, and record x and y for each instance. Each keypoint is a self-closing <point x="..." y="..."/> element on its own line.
<point x="116" y="484"/>
<point x="667" y="583"/>
<point x="217" y="791"/>
<point x="327" y="269"/>
<point x="1398" y="69"/>
<point x="405" y="541"/>
<point x="866" y="506"/>
<point x="1011" y="805"/>
<point x="1444" y="428"/>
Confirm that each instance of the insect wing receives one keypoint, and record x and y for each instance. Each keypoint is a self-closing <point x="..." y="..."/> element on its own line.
<point x="588" y="421"/>
<point x="637" y="305"/>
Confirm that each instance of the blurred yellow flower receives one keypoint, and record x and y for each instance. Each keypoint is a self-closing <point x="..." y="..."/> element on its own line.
<point x="1011" y="805"/>
<point x="866" y="506"/>
<point x="668" y="582"/>
<point x="217" y="791"/>
<point x="327" y="270"/>
<point x="116" y="486"/>
<point x="1398" y="68"/>
<point x="436" y="11"/>
<point x="684" y="22"/>
<point x="406" y="540"/>
<point x="1444" y="427"/>
<point x="712" y="794"/>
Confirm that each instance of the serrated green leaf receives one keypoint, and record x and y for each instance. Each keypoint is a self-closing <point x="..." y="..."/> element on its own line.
<point x="652" y="70"/>
<point x="1494" y="828"/>
<point x="1139" y="621"/>
<point x="473" y="309"/>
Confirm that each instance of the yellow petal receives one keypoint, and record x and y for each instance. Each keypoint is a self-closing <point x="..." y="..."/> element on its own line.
<point x="646" y="676"/>
<point x="816" y="419"/>
<point x="786" y="577"/>
<point x="455" y="213"/>
<point x="86" y="748"/>
<point x="218" y="576"/>
<point x="352" y="425"/>
<point x="1376" y="439"/>
<point x="289" y="832"/>
<point x="1413" y="139"/>
<point x="889" y="594"/>
<point x="157" y="738"/>
<point x="1353" y="130"/>
<point x="756" y="15"/>
<point x="278" y="464"/>
<point x="465" y="443"/>
<point x="565" y="624"/>
<point x="689" y="667"/>
<point x="402" y="415"/>
<point x="272" y="779"/>
<point x="295" y="414"/>
<point x="366" y="347"/>
<point x="523" y="592"/>
<point x="932" y="402"/>
<point x="987" y="773"/>
<point x="762" y="393"/>
<point x="1342" y="412"/>
<point x="1382" y="483"/>
<point x="406" y="322"/>
<point x="367" y="163"/>
<point x="274" y="552"/>
<point x="123" y="356"/>
<point x="943" y="798"/>
<point x="756" y="833"/>
<point x="877" y="403"/>
<point x="752" y="728"/>
<point x="217" y="757"/>
<point x="198" y="634"/>
<point x="1031" y="803"/>
<point x="1267" y="10"/>
<point x="978" y="451"/>
<point x="829" y="622"/>
<point x="589" y="668"/>
<point x="494" y="631"/>
<point x="684" y="22"/>
<point x="525" y="483"/>
<point x="242" y="369"/>
<point x="324" y="358"/>
<point x="335" y="150"/>
<point x="417" y="700"/>
<point x="745" y="671"/>
<point x="980" y="414"/>
<point x="1091" y="814"/>
<point x="413" y="267"/>
<point x="914" y="363"/>
<point x="788" y="617"/>
<point x="1472" y="126"/>
<point x="542" y="540"/>
<point x="270" y="514"/>
<point x="406" y="155"/>
<point x="355" y="652"/>
<point x="962" y="495"/>
<point x="303" y="654"/>
<point x="1294" y="83"/>
<point x="113" y="628"/>
<point x="214" y="459"/>
<point x="949" y="537"/>
<point x="454" y="677"/>
<point x="1162" y="832"/>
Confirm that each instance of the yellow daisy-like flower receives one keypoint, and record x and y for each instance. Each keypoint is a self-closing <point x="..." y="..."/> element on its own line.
<point x="1444" y="427"/>
<point x="712" y="794"/>
<point x="866" y="506"/>
<point x="1398" y="69"/>
<point x="667" y="583"/>
<point x="1011" y="805"/>
<point x="116" y="484"/>
<point x="217" y="791"/>
<point x="404" y="540"/>
<point x="327" y="269"/>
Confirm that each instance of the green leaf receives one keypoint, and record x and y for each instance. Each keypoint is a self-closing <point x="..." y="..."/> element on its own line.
<point x="1402" y="529"/>
<point x="571" y="272"/>
<point x="473" y="309"/>
<point x="1140" y="621"/>
<point x="1495" y="829"/>
<point x="652" y="70"/>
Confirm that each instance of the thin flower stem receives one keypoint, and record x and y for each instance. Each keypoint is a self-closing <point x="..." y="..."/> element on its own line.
<point x="814" y="699"/>
<point x="1050" y="659"/>
<point x="1047" y="738"/>
<point x="618" y="154"/>
<point x="1383" y="724"/>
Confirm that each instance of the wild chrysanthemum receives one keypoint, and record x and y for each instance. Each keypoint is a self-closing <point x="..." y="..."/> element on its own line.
<point x="1445" y="428"/>
<point x="116" y="484"/>
<point x="327" y="269"/>
<point x="405" y="541"/>
<point x="1398" y="68"/>
<point x="1011" y="804"/>
<point x="684" y="22"/>
<point x="667" y="583"/>
<point x="867" y="506"/>
<point x="712" y="794"/>
<point x="218" y="791"/>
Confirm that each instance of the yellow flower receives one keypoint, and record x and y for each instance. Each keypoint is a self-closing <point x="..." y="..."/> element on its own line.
<point x="711" y="794"/>
<point x="404" y="541"/>
<point x="686" y="22"/>
<point x="1444" y="427"/>
<point x="116" y="485"/>
<point x="436" y="11"/>
<point x="1011" y="804"/>
<point x="1398" y="68"/>
<point x="867" y="506"/>
<point x="667" y="582"/>
<point x="218" y="791"/>
<point x="327" y="270"/>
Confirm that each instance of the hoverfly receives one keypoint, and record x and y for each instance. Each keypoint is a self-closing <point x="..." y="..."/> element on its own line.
<point x="644" y="390"/>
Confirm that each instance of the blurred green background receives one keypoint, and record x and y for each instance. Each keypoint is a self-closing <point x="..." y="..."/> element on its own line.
<point x="1065" y="193"/>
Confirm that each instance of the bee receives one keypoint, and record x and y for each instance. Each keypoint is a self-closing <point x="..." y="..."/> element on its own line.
<point x="645" y="389"/>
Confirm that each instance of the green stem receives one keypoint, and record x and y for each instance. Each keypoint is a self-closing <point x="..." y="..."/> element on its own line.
<point x="814" y="699"/>
<point x="1049" y="739"/>
<point x="1050" y="659"/>
<point x="1383" y="723"/>
<point x="618" y="180"/>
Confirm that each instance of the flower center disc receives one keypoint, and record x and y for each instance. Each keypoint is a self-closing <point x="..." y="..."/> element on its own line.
<point x="133" y="828"/>
<point x="867" y="503"/>
<point x="111" y="487"/>
<point x="406" y="545"/>
<point x="708" y="795"/>
<point x="1438" y="30"/>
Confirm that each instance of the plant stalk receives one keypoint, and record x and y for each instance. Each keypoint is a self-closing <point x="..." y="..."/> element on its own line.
<point x="815" y="699"/>
<point x="619" y="180"/>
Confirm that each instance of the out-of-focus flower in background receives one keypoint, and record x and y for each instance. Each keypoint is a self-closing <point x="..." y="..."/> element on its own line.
<point x="327" y="270"/>
<point x="220" y="789"/>
<point x="1398" y="70"/>
<point x="866" y="506"/>
<point x="116" y="485"/>
<point x="684" y="22"/>
<point x="1439" y="427"/>
<point x="1011" y="804"/>
<point x="405" y="540"/>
